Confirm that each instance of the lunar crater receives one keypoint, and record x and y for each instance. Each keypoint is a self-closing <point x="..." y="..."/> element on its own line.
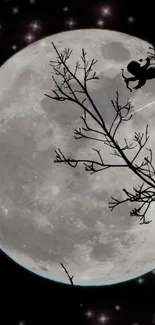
<point x="116" y="52"/>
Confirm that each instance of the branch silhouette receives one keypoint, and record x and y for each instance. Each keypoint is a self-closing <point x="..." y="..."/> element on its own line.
<point x="69" y="277"/>
<point x="107" y="135"/>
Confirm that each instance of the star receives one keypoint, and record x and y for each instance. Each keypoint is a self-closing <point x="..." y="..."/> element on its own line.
<point x="71" y="23"/>
<point x="106" y="11"/>
<point x="32" y="2"/>
<point x="81" y="305"/>
<point x="117" y="307"/>
<point x="100" y="23"/>
<point x="35" y="25"/>
<point x="15" y="10"/>
<point x="65" y="9"/>
<point x="21" y="323"/>
<point x="131" y="19"/>
<point x="14" y="47"/>
<point x="140" y="280"/>
<point x="102" y="318"/>
<point x="29" y="37"/>
<point x="89" y="313"/>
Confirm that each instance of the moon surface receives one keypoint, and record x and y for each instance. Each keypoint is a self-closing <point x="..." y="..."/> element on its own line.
<point x="52" y="213"/>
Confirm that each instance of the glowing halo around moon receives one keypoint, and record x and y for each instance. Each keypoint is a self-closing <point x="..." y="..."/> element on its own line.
<point x="52" y="213"/>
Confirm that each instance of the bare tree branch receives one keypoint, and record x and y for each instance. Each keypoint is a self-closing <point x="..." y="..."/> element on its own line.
<point x="119" y="114"/>
<point x="146" y="197"/>
<point x="89" y="164"/>
<point x="123" y="113"/>
<point x="69" y="277"/>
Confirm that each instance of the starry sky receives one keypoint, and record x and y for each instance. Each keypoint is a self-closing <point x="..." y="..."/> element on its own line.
<point x="27" y="298"/>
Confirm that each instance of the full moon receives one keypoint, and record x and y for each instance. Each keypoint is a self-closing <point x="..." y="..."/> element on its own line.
<point x="51" y="213"/>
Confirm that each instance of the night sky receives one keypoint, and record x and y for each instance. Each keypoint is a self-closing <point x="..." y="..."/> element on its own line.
<point x="28" y="298"/>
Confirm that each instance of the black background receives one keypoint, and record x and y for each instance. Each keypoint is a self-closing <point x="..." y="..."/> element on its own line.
<point x="27" y="298"/>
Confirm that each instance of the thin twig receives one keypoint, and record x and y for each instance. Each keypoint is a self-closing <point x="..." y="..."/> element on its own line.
<point x="69" y="277"/>
<point x="145" y="170"/>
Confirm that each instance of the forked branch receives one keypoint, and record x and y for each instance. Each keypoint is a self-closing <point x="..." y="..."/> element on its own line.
<point x="107" y="136"/>
<point x="69" y="277"/>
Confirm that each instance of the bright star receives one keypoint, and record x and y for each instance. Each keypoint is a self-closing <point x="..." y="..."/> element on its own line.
<point x="15" y="10"/>
<point x="102" y="319"/>
<point x="131" y="19"/>
<point x="140" y="280"/>
<point x="71" y="23"/>
<point x="14" y="47"/>
<point x="100" y="23"/>
<point x="35" y="25"/>
<point x="106" y="11"/>
<point x="29" y="37"/>
<point x="117" y="307"/>
<point x="89" y="313"/>
<point x="65" y="8"/>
